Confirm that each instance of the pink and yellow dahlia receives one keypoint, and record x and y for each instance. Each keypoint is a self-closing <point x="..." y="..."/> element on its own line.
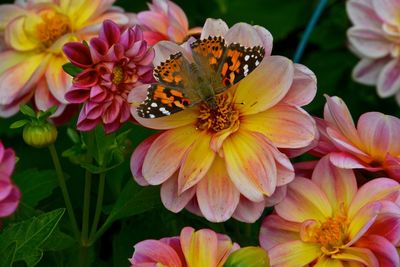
<point x="164" y="21"/>
<point x="113" y="64"/>
<point x="192" y="249"/>
<point x="227" y="162"/>
<point x="328" y="221"/>
<point x="9" y="193"/>
<point x="375" y="38"/>
<point x="373" y="145"/>
<point x="35" y="31"/>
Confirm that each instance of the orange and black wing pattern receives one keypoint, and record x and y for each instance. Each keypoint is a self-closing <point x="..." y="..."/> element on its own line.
<point x="162" y="101"/>
<point x="172" y="71"/>
<point x="209" y="52"/>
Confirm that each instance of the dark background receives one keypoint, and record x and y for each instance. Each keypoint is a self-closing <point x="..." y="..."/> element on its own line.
<point x="326" y="55"/>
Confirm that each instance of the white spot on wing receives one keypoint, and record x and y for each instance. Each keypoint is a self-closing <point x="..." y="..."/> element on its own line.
<point x="152" y="116"/>
<point x="154" y="104"/>
<point x="247" y="57"/>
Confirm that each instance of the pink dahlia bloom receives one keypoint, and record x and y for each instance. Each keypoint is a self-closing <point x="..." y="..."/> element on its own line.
<point x="226" y="162"/>
<point x="192" y="248"/>
<point x="164" y="21"/>
<point x="9" y="193"/>
<point x="113" y="64"/>
<point x="32" y="59"/>
<point x="375" y="37"/>
<point x="328" y="221"/>
<point x="373" y="145"/>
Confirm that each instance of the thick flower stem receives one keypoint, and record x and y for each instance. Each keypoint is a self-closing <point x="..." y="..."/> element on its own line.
<point x="99" y="204"/>
<point x="86" y="208"/>
<point x="64" y="189"/>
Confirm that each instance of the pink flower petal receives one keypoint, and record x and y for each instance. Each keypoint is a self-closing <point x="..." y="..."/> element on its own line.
<point x="367" y="70"/>
<point x="387" y="10"/>
<point x="357" y="257"/>
<point x="248" y="211"/>
<point x="370" y="43"/>
<point x="388" y="81"/>
<point x="275" y="230"/>
<point x="250" y="165"/>
<point x="246" y="35"/>
<point x="110" y="32"/>
<point x="158" y="164"/>
<point x="294" y="253"/>
<point x="216" y="194"/>
<point x="259" y="92"/>
<point x="384" y="251"/>
<point x="362" y="13"/>
<point x="347" y="161"/>
<point x="10" y="203"/>
<point x="339" y="185"/>
<point x="78" y="54"/>
<point x="172" y="198"/>
<point x="214" y="27"/>
<point x="314" y="202"/>
<point x="58" y="81"/>
<point x="196" y="162"/>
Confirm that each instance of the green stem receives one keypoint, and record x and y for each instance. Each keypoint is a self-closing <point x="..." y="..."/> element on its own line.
<point x="99" y="204"/>
<point x="86" y="208"/>
<point x="101" y="231"/>
<point x="64" y="189"/>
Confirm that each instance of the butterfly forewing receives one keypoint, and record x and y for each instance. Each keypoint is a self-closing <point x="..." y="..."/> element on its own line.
<point x="162" y="101"/>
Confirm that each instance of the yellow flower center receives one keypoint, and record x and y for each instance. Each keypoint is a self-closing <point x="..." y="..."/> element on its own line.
<point x="54" y="26"/>
<point x="117" y="75"/>
<point x="222" y="117"/>
<point x="332" y="234"/>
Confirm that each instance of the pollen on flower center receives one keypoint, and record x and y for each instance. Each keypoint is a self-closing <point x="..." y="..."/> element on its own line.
<point x="223" y="116"/>
<point x="54" y="26"/>
<point x="117" y="75"/>
<point x="331" y="234"/>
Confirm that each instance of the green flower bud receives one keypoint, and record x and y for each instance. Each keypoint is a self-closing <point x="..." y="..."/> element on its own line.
<point x="40" y="134"/>
<point x="248" y="257"/>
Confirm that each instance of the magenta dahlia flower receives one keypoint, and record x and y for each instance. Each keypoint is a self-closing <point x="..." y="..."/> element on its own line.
<point x="113" y="64"/>
<point x="9" y="193"/>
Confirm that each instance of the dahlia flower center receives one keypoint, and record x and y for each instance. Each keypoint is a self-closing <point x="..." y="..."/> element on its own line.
<point x="220" y="117"/>
<point x="331" y="234"/>
<point x="54" y="26"/>
<point x="117" y="75"/>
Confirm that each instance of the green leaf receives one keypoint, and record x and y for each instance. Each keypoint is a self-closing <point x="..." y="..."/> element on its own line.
<point x="134" y="199"/>
<point x="30" y="236"/>
<point x="28" y="111"/>
<point x="36" y="185"/>
<point x="7" y="255"/>
<point x="58" y="241"/>
<point x="18" y="124"/>
<point x="73" y="135"/>
<point x="71" y="69"/>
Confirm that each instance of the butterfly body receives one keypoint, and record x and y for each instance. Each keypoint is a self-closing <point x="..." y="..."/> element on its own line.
<point x="182" y="84"/>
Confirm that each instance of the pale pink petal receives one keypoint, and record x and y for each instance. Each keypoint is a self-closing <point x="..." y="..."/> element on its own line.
<point x="380" y="134"/>
<point x="370" y="43"/>
<point x="196" y="162"/>
<point x="266" y="38"/>
<point x="294" y="253"/>
<point x="277" y="196"/>
<point x="304" y="87"/>
<point x="200" y="248"/>
<point x="214" y="27"/>
<point x="10" y="58"/>
<point x="388" y="81"/>
<point x="58" y="81"/>
<point x="388" y="10"/>
<point x="384" y="251"/>
<point x="248" y="211"/>
<point x="7" y="161"/>
<point x="10" y="203"/>
<point x="137" y="159"/>
<point x="339" y="185"/>
<point x="357" y="255"/>
<point x="8" y="12"/>
<point x="250" y="165"/>
<point x="45" y="100"/>
<point x="158" y="164"/>
<point x="275" y="230"/>
<point x="164" y="49"/>
<point x="216" y="194"/>
<point x="314" y="203"/>
<point x="170" y="196"/>
<point x="259" y="92"/>
<point x="392" y="167"/>
<point x="367" y="70"/>
<point x="362" y="221"/>
<point x="362" y="13"/>
<point x="374" y="190"/>
<point x="286" y="126"/>
<point x="246" y="35"/>
<point x="155" y="252"/>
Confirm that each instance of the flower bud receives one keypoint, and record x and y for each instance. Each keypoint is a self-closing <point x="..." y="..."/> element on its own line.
<point x="40" y="134"/>
<point x="248" y="257"/>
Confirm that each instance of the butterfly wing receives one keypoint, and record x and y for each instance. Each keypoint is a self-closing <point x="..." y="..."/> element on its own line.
<point x="162" y="101"/>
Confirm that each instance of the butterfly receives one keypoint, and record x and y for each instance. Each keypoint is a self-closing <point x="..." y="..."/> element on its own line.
<point x="182" y="84"/>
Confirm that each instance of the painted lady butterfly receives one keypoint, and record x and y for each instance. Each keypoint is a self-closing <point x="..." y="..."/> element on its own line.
<point x="183" y="84"/>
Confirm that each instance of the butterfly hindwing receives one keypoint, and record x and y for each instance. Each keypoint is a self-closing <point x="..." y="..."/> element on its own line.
<point x="162" y="101"/>
<point x="239" y="62"/>
<point x="209" y="52"/>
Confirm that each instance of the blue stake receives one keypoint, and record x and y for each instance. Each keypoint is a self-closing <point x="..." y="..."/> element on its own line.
<point x="310" y="27"/>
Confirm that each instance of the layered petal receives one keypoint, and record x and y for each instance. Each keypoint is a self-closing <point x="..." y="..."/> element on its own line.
<point x="388" y="82"/>
<point x="367" y="71"/>
<point x="248" y="211"/>
<point x="384" y="251"/>
<point x="293" y="253"/>
<point x="370" y="43"/>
